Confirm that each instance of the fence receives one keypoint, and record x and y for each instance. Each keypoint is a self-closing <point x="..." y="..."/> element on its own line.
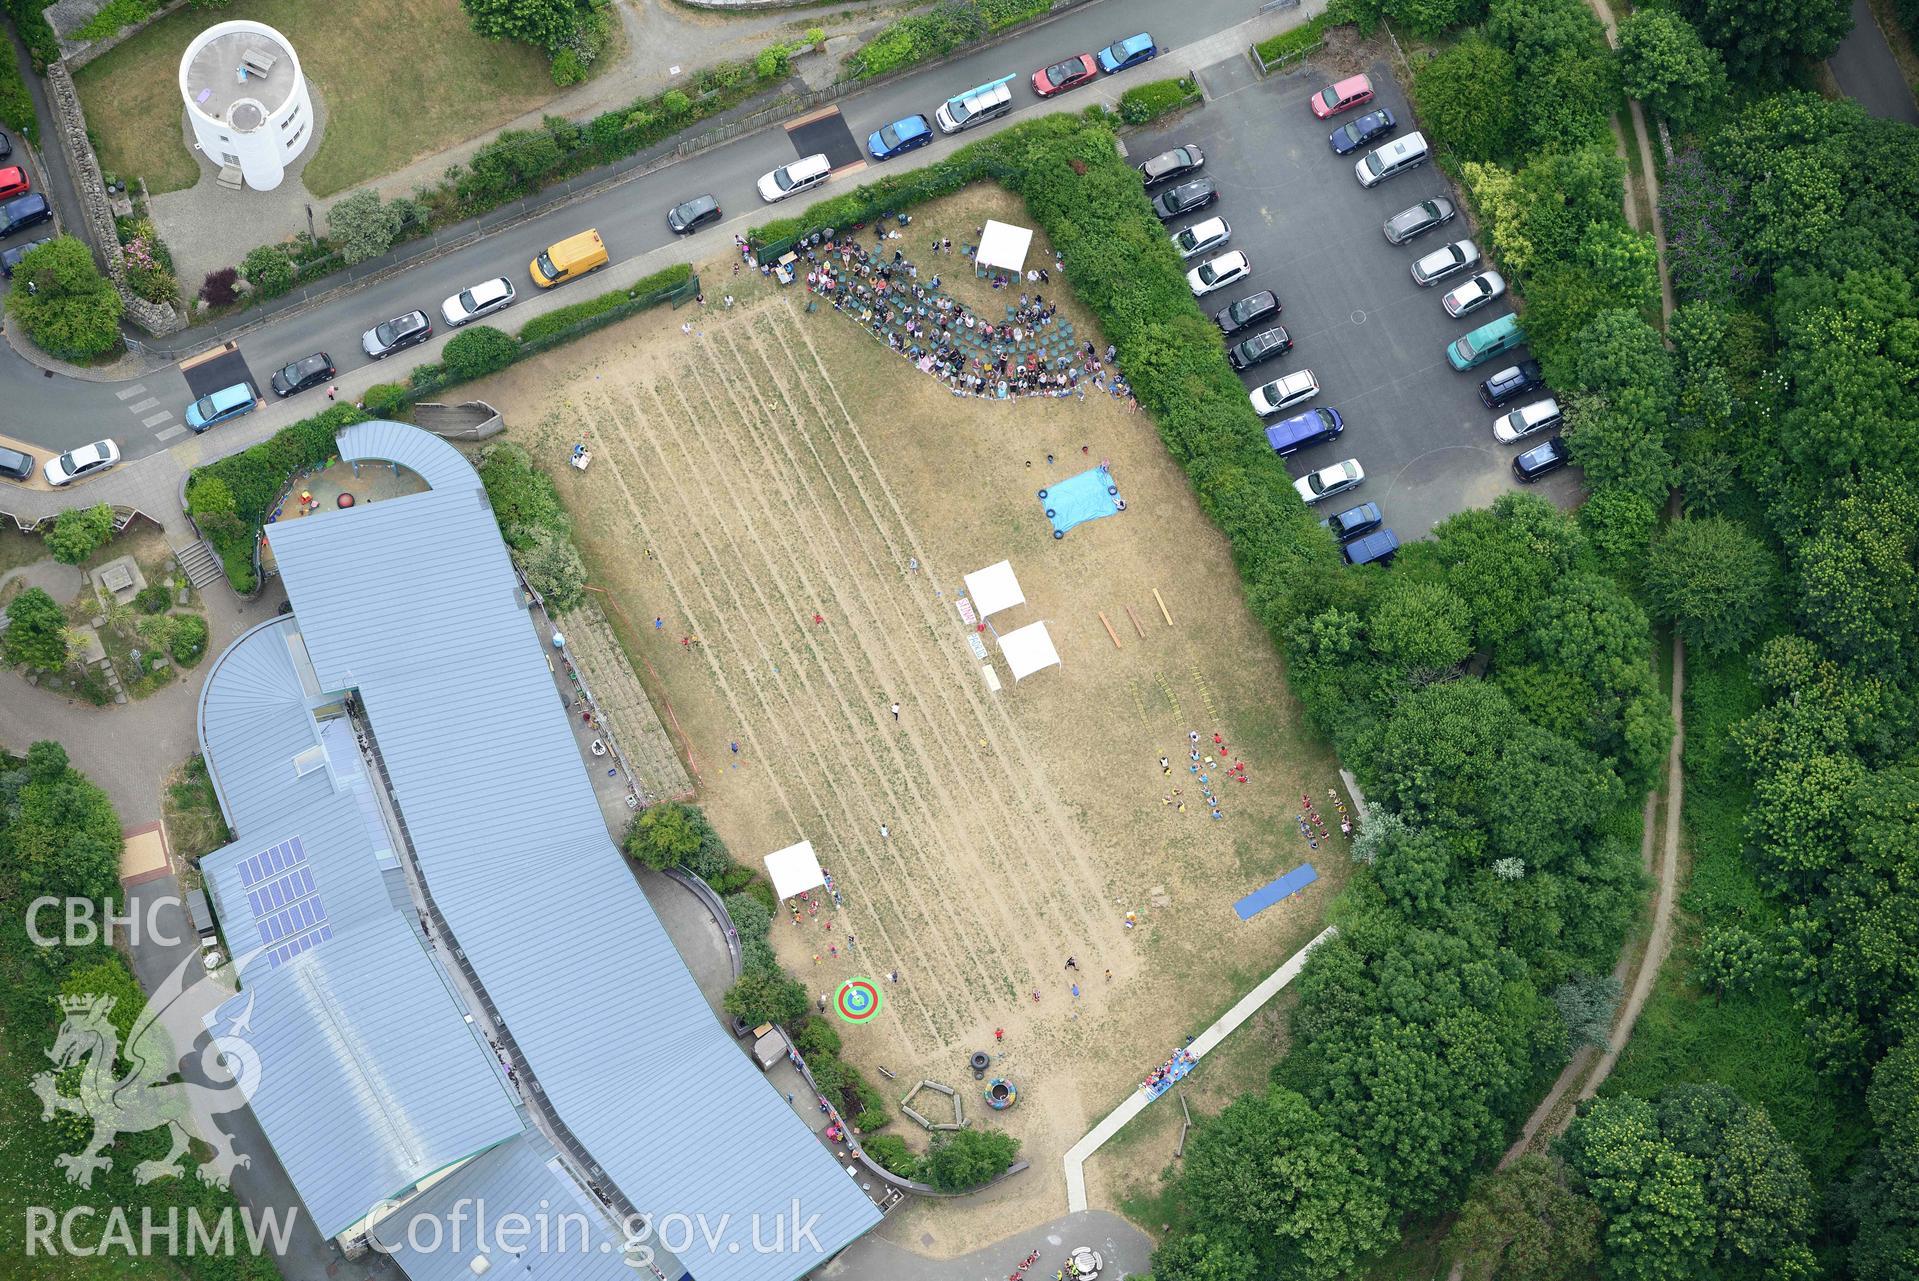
<point x="1284" y="60"/>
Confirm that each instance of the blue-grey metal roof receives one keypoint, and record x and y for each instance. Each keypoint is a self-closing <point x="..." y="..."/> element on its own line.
<point x="413" y="601"/>
<point x="370" y="1078"/>
<point x="439" y="464"/>
<point x="437" y="1235"/>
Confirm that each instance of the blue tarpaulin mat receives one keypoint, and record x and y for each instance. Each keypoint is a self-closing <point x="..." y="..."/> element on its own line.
<point x="1261" y="899"/>
<point x="1081" y="498"/>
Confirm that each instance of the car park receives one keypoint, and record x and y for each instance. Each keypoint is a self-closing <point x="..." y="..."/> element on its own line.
<point x="478" y="300"/>
<point x="10" y="258"/>
<point x="1261" y="347"/>
<point x="1130" y="52"/>
<point x="1249" y="310"/>
<point x="1328" y="482"/>
<point x="689" y="216"/>
<point x="1533" y="417"/>
<point x="302" y="375"/>
<point x="1354" y="521"/>
<point x="1284" y="392"/>
<point x="1400" y="156"/>
<point x="1465" y="299"/>
<point x="1353" y="91"/>
<point x="1376" y="548"/>
<point x="1169" y="166"/>
<point x="77" y="464"/>
<point x="1202" y="237"/>
<point x="15" y="465"/>
<point x="1354" y="134"/>
<point x="1188" y="197"/>
<point x="14" y="182"/>
<point x="790" y="180"/>
<point x="1070" y="73"/>
<point x="24" y="211"/>
<point x="1513" y="380"/>
<point x="1217" y="273"/>
<point x="1314" y="427"/>
<point x="1419" y="219"/>
<point x="396" y="334"/>
<point x="1461" y="255"/>
<point x="900" y="137"/>
<point x="1541" y="460"/>
<point x="974" y="107"/>
<point x="219" y="406"/>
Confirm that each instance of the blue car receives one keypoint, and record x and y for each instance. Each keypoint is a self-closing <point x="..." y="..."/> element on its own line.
<point x="228" y="402"/>
<point x="1355" y="134"/>
<point x="900" y="137"/>
<point x="1129" y="52"/>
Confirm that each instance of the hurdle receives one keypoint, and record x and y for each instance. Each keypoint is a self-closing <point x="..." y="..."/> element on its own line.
<point x="1135" y="617"/>
<point x="1113" y="635"/>
<point x="1166" y="613"/>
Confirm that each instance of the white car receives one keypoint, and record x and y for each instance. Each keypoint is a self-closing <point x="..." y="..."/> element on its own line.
<point x="1527" y="419"/>
<point x="1440" y="263"/>
<point x="77" y="464"/>
<point x="1475" y="293"/>
<point x="1217" y="273"/>
<point x="1283" y="393"/>
<point x="803" y="174"/>
<point x="1315" y="487"/>
<point x="480" y="300"/>
<point x="1202" y="236"/>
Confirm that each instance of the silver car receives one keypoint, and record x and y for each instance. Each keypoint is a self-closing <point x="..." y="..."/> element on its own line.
<point x="1203" y="237"/>
<point x="1420" y="219"/>
<point x="1463" y="300"/>
<point x="1461" y="255"/>
<point x="482" y="299"/>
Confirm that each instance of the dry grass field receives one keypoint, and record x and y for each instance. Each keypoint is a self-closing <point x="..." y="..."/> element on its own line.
<point x="774" y="465"/>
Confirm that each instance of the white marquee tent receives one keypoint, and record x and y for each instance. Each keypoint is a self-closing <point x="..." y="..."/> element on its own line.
<point x="794" y="869"/>
<point x="993" y="589"/>
<point x="1004" y="246"/>
<point x="1028" y="650"/>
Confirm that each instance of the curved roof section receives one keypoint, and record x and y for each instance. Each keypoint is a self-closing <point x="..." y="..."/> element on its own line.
<point x="438" y="463"/>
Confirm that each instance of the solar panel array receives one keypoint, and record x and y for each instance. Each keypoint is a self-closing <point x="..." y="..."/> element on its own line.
<point x="286" y="907"/>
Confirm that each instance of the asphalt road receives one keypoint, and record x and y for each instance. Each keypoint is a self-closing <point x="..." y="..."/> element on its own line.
<point x="58" y="412"/>
<point x="1868" y="73"/>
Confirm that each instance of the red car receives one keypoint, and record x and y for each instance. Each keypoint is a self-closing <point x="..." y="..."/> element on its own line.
<point x="1071" y="74"/>
<point x="13" y="182"/>
<point x="1354" y="91"/>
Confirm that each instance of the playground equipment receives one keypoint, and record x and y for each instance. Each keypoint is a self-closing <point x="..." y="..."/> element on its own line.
<point x="959" y="1112"/>
<point x="1000" y="1094"/>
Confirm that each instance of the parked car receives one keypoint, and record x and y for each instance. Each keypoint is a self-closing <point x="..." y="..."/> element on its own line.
<point x="1419" y="219"/>
<point x="302" y="375"/>
<point x="1542" y="459"/>
<point x="14" y="182"/>
<point x="1535" y="416"/>
<point x="1513" y="380"/>
<point x="790" y="180"/>
<point x="1284" y="392"/>
<point x="1318" y="486"/>
<point x="689" y="216"/>
<point x="1188" y="197"/>
<point x="975" y="107"/>
<point x="1169" y="166"/>
<point x="1249" y="310"/>
<point x="478" y="300"/>
<point x="1461" y="255"/>
<point x="1314" y="427"/>
<point x="10" y="258"/>
<point x="1261" y="347"/>
<point x="1202" y="237"/>
<point x="15" y="465"/>
<point x="24" y="211"/>
<point x="1354" y="521"/>
<point x="1217" y="273"/>
<point x="1401" y="155"/>
<point x="1130" y="52"/>
<point x="219" y="406"/>
<point x="1376" y="548"/>
<point x="1354" y="134"/>
<point x="900" y="137"/>
<point x="77" y="464"/>
<point x="396" y="334"/>
<point x="1071" y="74"/>
<point x="1353" y="91"/>
<point x="1463" y="300"/>
<point x="6" y="145"/>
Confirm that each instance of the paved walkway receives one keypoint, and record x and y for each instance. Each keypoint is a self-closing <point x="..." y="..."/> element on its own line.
<point x="1867" y="72"/>
<point x="1126" y="1249"/>
<point x="1136" y="1102"/>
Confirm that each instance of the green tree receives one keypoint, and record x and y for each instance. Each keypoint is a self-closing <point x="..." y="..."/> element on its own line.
<point x="1587" y="1003"/>
<point x="1713" y="581"/>
<point x="1420" y="626"/>
<point x="1856" y="590"/>
<point x="1758" y="1194"/>
<point x="1217" y="1255"/>
<point x="553" y="568"/>
<point x="479" y="351"/>
<point x="1525" y="1223"/>
<point x="545" y="24"/>
<point x="1883" y="1198"/>
<point x="63" y="302"/>
<point x="1664" y="63"/>
<point x="1504" y="559"/>
<point x="1469" y="95"/>
<point x="963" y="1159"/>
<point x="766" y="996"/>
<point x="1765" y="41"/>
<point x="64" y="837"/>
<point x="666" y="835"/>
<point x="269" y="270"/>
<point x="78" y="532"/>
<point x="1728" y="961"/>
<point x="36" y="634"/>
<point x="1658" y="1223"/>
<point x="362" y="225"/>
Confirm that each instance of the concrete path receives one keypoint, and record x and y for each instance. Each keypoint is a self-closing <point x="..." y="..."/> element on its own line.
<point x="1136" y="1102"/>
<point x="1867" y="72"/>
<point x="1126" y="1249"/>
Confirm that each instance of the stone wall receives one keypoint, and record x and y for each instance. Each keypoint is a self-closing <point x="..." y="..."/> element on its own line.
<point x="70" y="122"/>
<point x="67" y="16"/>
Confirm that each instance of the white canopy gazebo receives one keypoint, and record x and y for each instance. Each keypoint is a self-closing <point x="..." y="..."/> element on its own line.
<point x="794" y="870"/>
<point x="1004" y="246"/>
<point x="1028" y="650"/>
<point x="994" y="589"/>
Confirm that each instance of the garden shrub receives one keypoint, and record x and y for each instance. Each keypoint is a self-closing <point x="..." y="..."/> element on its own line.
<point x="553" y="325"/>
<point x="1148" y="102"/>
<point x="217" y="290"/>
<point x="1297" y="40"/>
<point x="71" y="310"/>
<point x="890" y="1153"/>
<point x="816" y="1036"/>
<point x="362" y="225"/>
<point x="964" y="1159"/>
<point x="16" y="101"/>
<point x="78" y="532"/>
<point x="523" y="497"/>
<point x="149" y="267"/>
<point x="112" y="16"/>
<point x="479" y="351"/>
<point x="760" y="997"/>
<point x="751" y="917"/>
<point x="933" y="34"/>
<point x="268" y="270"/>
<point x="36" y="634"/>
<point x="383" y="400"/>
<point x="154" y="598"/>
<point x="567" y="68"/>
<point x="187" y="640"/>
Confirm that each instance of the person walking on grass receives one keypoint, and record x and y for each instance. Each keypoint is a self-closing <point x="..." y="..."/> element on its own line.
<point x="896" y="711"/>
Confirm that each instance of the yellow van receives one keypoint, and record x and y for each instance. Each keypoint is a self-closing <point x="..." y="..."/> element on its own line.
<point x="568" y="260"/>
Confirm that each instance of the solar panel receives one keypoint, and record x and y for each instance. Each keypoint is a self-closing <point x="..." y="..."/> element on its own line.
<point x="284" y="900"/>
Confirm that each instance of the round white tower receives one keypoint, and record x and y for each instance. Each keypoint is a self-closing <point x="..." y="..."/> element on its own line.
<point x="247" y="100"/>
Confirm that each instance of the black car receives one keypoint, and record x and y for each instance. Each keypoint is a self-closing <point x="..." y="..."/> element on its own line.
<point x="6" y="145"/>
<point x="303" y="374"/>
<point x="693" y="214"/>
<point x="396" y="334"/>
<point x="25" y="211"/>
<point x="10" y="258"/>
<point x="1261" y="346"/>
<point x="15" y="465"/>
<point x="1170" y="166"/>
<point x="1513" y="380"/>
<point x="1249" y="310"/>
<point x="1541" y="459"/>
<point x="1419" y="219"/>
<point x="1354" y="134"/>
<point x="1188" y="197"/>
<point x="1354" y="521"/>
